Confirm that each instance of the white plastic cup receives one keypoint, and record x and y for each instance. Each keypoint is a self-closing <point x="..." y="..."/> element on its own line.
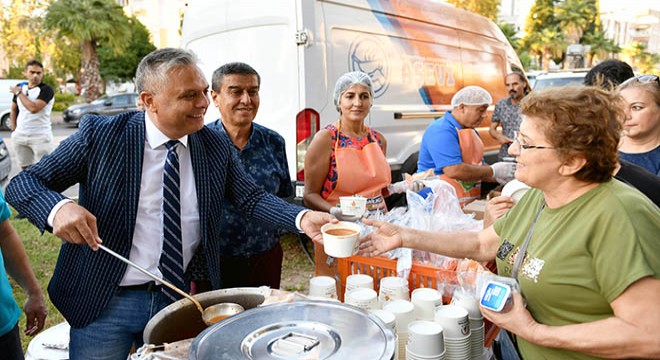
<point x="425" y="338"/>
<point x="323" y="287"/>
<point x="359" y="281"/>
<point x="341" y="240"/>
<point x="425" y="301"/>
<point x="366" y="299"/>
<point x="353" y="205"/>
<point x="454" y="320"/>
<point x="393" y="288"/>
<point x="404" y="312"/>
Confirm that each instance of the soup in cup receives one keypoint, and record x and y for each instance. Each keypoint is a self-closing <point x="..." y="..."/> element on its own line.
<point x="342" y="239"/>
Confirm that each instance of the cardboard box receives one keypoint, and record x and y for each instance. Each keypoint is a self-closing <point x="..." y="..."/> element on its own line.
<point x="477" y="208"/>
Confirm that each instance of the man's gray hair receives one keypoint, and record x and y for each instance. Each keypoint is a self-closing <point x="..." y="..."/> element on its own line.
<point x="231" y="69"/>
<point x="152" y="71"/>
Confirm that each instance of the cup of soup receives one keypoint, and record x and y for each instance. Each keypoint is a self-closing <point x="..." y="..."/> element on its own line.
<point x="342" y="239"/>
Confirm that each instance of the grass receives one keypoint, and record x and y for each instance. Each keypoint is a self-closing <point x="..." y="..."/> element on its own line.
<point x="44" y="249"/>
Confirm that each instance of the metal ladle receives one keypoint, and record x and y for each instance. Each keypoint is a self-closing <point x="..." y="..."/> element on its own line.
<point x="213" y="311"/>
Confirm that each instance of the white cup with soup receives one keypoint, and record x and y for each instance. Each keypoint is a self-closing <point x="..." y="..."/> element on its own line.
<point x="342" y="239"/>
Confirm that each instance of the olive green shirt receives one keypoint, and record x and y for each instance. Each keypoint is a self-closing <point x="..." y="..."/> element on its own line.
<point x="581" y="256"/>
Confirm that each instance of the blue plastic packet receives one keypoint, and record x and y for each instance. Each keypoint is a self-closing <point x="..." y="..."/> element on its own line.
<point x="495" y="296"/>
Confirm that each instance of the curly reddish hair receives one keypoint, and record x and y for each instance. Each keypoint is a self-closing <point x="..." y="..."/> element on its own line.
<point x="580" y="121"/>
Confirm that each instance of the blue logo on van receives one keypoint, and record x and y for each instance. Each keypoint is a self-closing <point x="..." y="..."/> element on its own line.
<point x="369" y="56"/>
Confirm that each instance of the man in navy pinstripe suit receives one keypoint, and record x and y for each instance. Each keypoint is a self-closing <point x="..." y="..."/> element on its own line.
<point x="118" y="162"/>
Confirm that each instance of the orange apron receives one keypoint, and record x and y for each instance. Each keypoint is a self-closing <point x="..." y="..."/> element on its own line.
<point x="472" y="152"/>
<point x="362" y="172"/>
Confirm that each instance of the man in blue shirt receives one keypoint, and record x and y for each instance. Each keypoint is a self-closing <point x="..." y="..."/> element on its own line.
<point x="14" y="259"/>
<point x="452" y="148"/>
<point x="251" y="251"/>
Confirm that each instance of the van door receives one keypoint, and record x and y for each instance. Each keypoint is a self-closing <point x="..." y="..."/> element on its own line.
<point x="415" y="67"/>
<point x="261" y="33"/>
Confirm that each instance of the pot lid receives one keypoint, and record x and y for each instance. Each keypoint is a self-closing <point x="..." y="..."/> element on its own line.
<point x="299" y="330"/>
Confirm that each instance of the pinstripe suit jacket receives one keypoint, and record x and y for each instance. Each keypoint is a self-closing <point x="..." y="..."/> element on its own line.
<point x="105" y="157"/>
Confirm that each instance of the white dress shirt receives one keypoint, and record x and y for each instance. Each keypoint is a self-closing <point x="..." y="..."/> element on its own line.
<point x="148" y="235"/>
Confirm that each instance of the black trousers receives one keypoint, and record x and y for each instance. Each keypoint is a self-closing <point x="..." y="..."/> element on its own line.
<point x="264" y="269"/>
<point x="10" y="345"/>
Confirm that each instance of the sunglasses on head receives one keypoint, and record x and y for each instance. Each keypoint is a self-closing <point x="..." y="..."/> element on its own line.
<point x="644" y="79"/>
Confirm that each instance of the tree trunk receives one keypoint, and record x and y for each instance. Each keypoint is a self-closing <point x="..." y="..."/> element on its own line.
<point x="546" y="59"/>
<point x="90" y="77"/>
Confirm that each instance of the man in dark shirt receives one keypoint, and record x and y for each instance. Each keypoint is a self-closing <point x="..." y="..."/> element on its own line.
<point x="251" y="251"/>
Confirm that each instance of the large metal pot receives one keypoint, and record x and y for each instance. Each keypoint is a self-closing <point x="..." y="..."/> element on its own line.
<point x="181" y="320"/>
<point x="301" y="330"/>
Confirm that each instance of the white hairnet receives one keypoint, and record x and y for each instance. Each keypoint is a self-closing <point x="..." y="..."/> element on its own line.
<point x="349" y="79"/>
<point x="471" y="95"/>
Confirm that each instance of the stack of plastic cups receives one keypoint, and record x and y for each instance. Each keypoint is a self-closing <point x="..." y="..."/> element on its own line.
<point x="390" y="322"/>
<point x="358" y="281"/>
<point x="393" y="288"/>
<point x="323" y="287"/>
<point x="425" y="301"/>
<point x="404" y="312"/>
<point x="425" y="341"/>
<point x="456" y="325"/>
<point x="365" y="299"/>
<point x="471" y="304"/>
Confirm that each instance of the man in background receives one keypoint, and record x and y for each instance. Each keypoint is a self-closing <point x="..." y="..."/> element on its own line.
<point x="32" y="136"/>
<point x="251" y="255"/>
<point x="452" y="148"/>
<point x="609" y="74"/>
<point x="507" y="112"/>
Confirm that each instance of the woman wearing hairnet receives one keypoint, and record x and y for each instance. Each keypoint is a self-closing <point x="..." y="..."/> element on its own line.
<point x="348" y="158"/>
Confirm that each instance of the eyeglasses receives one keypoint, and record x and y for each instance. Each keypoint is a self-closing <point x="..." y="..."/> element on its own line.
<point x="516" y="138"/>
<point x="643" y="79"/>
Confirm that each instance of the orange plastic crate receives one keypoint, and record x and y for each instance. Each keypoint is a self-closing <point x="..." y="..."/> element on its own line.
<point x="420" y="276"/>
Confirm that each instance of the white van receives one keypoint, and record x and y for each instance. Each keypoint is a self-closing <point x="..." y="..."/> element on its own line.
<point x="418" y="53"/>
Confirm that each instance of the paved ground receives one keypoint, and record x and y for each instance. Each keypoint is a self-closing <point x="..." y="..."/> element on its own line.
<point x="60" y="132"/>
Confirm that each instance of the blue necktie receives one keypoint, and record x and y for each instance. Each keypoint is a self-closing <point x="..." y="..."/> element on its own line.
<point x="171" y="259"/>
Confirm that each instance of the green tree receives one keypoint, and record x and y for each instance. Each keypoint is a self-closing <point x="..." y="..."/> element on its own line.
<point x="21" y="36"/>
<point x="486" y="8"/>
<point x="552" y="45"/>
<point x="509" y="30"/>
<point x="122" y="67"/>
<point x="600" y="46"/>
<point x="88" y="23"/>
<point x="641" y="60"/>
<point x="66" y="59"/>
<point x="541" y="17"/>
<point x="573" y="17"/>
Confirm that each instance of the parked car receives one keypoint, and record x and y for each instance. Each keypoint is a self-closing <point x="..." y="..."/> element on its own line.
<point x="561" y="78"/>
<point x="5" y="163"/>
<point x="531" y="76"/>
<point x="5" y="119"/>
<point x="6" y="100"/>
<point x="106" y="105"/>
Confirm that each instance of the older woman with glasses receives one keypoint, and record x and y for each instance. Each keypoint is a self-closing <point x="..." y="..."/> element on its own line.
<point x="641" y="141"/>
<point x="590" y="271"/>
